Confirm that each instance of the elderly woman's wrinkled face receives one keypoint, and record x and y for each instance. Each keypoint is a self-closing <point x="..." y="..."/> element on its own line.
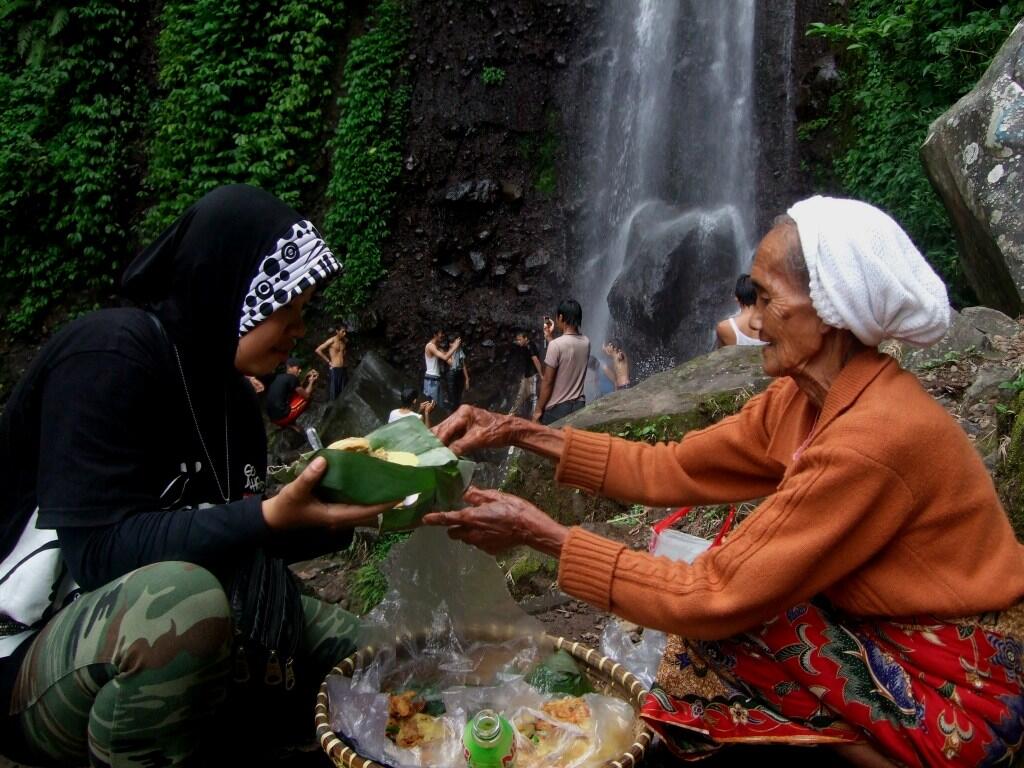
<point x="783" y="313"/>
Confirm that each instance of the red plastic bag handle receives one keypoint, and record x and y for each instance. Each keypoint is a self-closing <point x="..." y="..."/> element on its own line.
<point x="726" y="526"/>
<point x="669" y="521"/>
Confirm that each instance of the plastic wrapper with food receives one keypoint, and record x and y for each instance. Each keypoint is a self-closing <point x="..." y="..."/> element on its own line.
<point x="401" y="460"/>
<point x="450" y="642"/>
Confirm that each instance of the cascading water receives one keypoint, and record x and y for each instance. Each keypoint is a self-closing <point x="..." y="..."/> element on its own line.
<point x="670" y="175"/>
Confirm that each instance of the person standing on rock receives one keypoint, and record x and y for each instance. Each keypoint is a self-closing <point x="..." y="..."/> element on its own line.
<point x="736" y="330"/>
<point x="565" y="367"/>
<point x="456" y="378"/>
<point x="433" y="358"/>
<point x="332" y="352"/>
<point x="526" y="367"/>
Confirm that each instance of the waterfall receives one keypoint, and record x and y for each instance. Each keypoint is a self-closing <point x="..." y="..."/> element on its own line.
<point x="670" y="175"/>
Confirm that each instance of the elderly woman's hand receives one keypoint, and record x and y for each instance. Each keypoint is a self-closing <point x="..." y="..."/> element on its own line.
<point x="495" y="521"/>
<point x="296" y="506"/>
<point x="470" y="429"/>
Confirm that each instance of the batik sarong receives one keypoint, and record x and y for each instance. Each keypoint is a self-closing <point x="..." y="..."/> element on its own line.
<point x="922" y="691"/>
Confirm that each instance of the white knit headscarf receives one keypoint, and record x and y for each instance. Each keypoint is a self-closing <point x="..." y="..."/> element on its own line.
<point x="866" y="274"/>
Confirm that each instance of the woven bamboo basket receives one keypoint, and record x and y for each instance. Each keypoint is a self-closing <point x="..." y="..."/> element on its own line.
<point x="608" y="676"/>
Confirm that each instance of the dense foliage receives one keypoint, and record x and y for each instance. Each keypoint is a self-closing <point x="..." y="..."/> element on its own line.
<point x="367" y="153"/>
<point x="71" y="111"/>
<point x="905" y="63"/>
<point x="244" y="89"/>
<point x="116" y="117"/>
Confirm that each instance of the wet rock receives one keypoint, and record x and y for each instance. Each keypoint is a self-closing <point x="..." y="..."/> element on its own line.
<point x="452" y="268"/>
<point x="973" y="157"/>
<point x="488" y="343"/>
<point x="511" y="193"/>
<point x="539" y="259"/>
<point x="478" y="261"/>
<point x="669" y="254"/>
<point x="522" y="289"/>
<point x="821" y="80"/>
<point x="500" y="270"/>
<point x="481" y="192"/>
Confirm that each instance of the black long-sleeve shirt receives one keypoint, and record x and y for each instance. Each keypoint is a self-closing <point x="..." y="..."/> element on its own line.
<point x="100" y="436"/>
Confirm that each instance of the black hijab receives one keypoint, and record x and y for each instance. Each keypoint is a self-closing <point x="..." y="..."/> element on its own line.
<point x="196" y="275"/>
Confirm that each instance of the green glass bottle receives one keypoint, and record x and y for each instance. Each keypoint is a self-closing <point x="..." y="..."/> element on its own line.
<point x="489" y="741"/>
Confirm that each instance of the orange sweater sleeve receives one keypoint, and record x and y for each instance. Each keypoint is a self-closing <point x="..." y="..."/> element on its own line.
<point x="728" y="461"/>
<point x="833" y="513"/>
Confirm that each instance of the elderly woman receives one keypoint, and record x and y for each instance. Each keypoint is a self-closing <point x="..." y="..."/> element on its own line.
<point x="871" y="602"/>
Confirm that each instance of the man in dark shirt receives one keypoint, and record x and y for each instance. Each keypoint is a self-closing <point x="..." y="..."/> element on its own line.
<point x="525" y="367"/>
<point x="286" y="399"/>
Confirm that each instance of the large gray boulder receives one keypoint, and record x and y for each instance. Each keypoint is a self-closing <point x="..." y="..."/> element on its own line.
<point x="973" y="158"/>
<point x="373" y="390"/>
<point x="677" y="277"/>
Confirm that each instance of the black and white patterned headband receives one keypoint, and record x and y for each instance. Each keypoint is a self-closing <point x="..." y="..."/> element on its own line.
<point x="300" y="260"/>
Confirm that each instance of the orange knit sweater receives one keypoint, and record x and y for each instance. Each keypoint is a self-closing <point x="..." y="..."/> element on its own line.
<point x="887" y="511"/>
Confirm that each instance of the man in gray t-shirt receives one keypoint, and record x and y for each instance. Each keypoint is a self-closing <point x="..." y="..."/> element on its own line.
<point x="565" y="367"/>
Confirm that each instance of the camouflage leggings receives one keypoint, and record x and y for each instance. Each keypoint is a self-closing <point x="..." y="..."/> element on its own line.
<point x="130" y="674"/>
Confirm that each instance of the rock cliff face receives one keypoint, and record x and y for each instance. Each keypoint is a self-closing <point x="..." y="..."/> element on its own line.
<point x="973" y="155"/>
<point x="484" y="237"/>
<point x="480" y="236"/>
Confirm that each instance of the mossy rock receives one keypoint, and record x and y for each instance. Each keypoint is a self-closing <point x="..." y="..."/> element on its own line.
<point x="1010" y="475"/>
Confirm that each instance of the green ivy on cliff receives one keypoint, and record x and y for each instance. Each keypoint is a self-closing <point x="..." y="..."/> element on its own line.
<point x="70" y="111"/>
<point x="367" y="153"/>
<point x="245" y="86"/>
<point x="905" y="62"/>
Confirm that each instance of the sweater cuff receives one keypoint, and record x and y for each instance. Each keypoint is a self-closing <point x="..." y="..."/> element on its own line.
<point x="584" y="460"/>
<point x="587" y="567"/>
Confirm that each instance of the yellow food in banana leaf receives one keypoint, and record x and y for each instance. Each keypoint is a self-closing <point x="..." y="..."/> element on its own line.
<point x="397" y="461"/>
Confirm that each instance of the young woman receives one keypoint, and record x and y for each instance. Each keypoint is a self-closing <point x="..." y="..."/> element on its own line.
<point x="137" y="459"/>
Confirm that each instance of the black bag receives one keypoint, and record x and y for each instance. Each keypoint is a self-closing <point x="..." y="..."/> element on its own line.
<point x="267" y="612"/>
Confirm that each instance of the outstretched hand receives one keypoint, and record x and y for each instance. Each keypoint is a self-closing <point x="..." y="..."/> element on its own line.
<point x="296" y="506"/>
<point x="495" y="521"/>
<point x="470" y="429"/>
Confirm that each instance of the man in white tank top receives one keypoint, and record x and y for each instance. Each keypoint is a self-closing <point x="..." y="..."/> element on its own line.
<point x="433" y="356"/>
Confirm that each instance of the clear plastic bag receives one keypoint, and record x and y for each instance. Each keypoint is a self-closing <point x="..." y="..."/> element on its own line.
<point x="453" y="641"/>
<point x="642" y="658"/>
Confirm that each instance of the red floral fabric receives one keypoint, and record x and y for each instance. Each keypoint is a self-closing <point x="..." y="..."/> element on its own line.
<point x="924" y="692"/>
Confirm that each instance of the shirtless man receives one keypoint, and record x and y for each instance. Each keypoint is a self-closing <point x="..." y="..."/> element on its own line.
<point x="736" y="329"/>
<point x="619" y="372"/>
<point x="332" y="352"/>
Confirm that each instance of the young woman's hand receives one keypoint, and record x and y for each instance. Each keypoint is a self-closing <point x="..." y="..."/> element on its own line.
<point x="296" y="506"/>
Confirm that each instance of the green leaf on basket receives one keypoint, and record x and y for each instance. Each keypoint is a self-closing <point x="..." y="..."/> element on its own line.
<point x="559" y="673"/>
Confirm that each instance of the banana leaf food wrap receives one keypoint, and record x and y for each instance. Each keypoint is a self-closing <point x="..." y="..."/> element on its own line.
<point x="437" y="479"/>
